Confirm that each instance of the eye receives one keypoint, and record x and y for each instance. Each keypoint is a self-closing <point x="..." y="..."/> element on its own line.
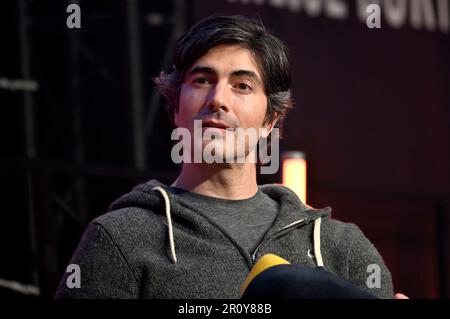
<point x="242" y="86"/>
<point x="201" y="80"/>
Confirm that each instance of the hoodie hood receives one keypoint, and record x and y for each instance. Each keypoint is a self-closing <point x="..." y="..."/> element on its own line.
<point x="156" y="196"/>
<point x="145" y="196"/>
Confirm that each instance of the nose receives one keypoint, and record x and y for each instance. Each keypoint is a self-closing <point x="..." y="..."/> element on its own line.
<point x="218" y="98"/>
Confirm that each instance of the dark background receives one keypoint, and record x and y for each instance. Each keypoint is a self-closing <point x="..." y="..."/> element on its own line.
<point x="372" y="115"/>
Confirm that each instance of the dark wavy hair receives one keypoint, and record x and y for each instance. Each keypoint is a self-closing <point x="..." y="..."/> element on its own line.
<point x="270" y="52"/>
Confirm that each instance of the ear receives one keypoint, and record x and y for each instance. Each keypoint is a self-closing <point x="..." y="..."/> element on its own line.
<point x="268" y="127"/>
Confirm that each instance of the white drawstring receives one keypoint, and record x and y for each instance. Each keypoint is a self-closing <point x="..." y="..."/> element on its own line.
<point x="317" y="252"/>
<point x="169" y="222"/>
<point x="316" y="235"/>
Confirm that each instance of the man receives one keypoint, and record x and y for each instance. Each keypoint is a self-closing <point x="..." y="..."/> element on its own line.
<point x="200" y="236"/>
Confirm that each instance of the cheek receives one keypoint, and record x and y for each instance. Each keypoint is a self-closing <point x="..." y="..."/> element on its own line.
<point x="189" y="105"/>
<point x="265" y="105"/>
<point x="257" y="112"/>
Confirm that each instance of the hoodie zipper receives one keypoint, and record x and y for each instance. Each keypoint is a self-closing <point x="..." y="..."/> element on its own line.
<point x="290" y="226"/>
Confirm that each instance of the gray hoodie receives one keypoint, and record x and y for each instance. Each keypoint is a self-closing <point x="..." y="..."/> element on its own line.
<point x="153" y="244"/>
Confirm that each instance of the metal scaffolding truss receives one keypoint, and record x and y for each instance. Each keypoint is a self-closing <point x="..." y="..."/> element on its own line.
<point x="57" y="190"/>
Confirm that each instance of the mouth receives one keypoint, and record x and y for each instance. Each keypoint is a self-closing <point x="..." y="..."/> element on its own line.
<point x="215" y="124"/>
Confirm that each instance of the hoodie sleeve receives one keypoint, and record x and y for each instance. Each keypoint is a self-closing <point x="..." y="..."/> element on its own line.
<point x="103" y="270"/>
<point x="366" y="268"/>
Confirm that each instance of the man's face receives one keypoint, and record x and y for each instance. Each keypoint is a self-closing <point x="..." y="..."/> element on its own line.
<point x="224" y="87"/>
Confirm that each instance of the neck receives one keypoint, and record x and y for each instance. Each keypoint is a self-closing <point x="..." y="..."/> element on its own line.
<point x="227" y="181"/>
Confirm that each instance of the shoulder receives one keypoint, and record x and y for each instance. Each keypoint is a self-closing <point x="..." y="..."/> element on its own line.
<point x="349" y="240"/>
<point x="126" y="227"/>
<point x="355" y="256"/>
<point x="124" y="218"/>
<point x="342" y="232"/>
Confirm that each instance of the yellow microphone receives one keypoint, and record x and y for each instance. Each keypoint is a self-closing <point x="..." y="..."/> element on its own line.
<point x="273" y="277"/>
<point x="264" y="263"/>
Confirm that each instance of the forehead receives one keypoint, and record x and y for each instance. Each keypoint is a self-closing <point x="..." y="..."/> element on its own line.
<point x="229" y="58"/>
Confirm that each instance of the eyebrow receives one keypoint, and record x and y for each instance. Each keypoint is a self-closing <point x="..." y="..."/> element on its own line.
<point x="247" y="73"/>
<point x="236" y="73"/>
<point x="202" y="69"/>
